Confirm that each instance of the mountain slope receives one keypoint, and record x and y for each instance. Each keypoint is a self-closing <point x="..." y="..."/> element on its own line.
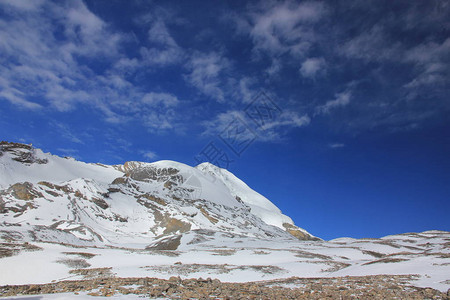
<point x="48" y="198"/>
<point x="62" y="219"/>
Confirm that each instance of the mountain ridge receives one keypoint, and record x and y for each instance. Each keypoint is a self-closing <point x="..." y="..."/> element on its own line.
<point x="137" y="202"/>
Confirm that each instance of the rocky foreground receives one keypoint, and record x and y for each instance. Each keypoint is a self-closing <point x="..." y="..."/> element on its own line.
<point x="357" y="287"/>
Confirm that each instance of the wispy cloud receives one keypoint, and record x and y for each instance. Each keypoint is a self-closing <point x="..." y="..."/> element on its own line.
<point x="45" y="46"/>
<point x="62" y="57"/>
<point x="341" y="99"/>
<point x="280" y="28"/>
<point x="149" y="155"/>
<point x="336" y="145"/>
<point x="163" y="49"/>
<point x="431" y="59"/>
<point x="69" y="152"/>
<point x="273" y="131"/>
<point x="42" y="66"/>
<point x="164" y="99"/>
<point x="16" y="97"/>
<point x="313" y="67"/>
<point x="66" y="132"/>
<point x="205" y="73"/>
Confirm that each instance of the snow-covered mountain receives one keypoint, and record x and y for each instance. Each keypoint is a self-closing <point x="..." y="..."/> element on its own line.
<point x="48" y="198"/>
<point x="63" y="219"/>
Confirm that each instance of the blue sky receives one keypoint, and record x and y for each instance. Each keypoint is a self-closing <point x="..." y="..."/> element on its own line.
<point x="353" y="98"/>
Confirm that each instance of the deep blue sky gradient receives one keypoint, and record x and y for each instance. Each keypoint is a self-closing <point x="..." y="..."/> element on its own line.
<point x="360" y="148"/>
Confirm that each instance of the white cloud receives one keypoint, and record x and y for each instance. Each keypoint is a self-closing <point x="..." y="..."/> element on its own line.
<point x="205" y="75"/>
<point x="157" y="122"/>
<point x="44" y="48"/>
<point x="336" y="145"/>
<point x="273" y="131"/>
<point x="23" y="4"/>
<point x="159" y="34"/>
<point x="280" y="29"/>
<point x="161" y="57"/>
<point x="150" y="155"/>
<point x="341" y="99"/>
<point x="428" y="60"/>
<point x="313" y="67"/>
<point x="275" y="67"/>
<point x="67" y="150"/>
<point x="42" y="66"/>
<point x="164" y="99"/>
<point x="16" y="97"/>
<point x="371" y="45"/>
<point x="431" y="60"/>
<point x="246" y="92"/>
<point x="66" y="132"/>
<point x="164" y="49"/>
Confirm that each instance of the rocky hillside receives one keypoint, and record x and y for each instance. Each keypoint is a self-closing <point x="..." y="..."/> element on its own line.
<point x="48" y="198"/>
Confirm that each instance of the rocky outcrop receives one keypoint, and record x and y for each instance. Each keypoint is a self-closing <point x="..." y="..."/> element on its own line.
<point x="24" y="191"/>
<point x="21" y="152"/>
<point x="298" y="233"/>
<point x="169" y="243"/>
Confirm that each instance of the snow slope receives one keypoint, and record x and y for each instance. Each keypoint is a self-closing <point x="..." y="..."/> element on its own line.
<point x="56" y="170"/>
<point x="166" y="218"/>
<point x="241" y="259"/>
<point x="138" y="204"/>
<point x="260" y="205"/>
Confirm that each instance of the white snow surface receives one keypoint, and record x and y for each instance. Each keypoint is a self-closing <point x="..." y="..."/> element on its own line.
<point x="213" y="217"/>
<point x="57" y="170"/>
<point x="242" y="258"/>
<point x="260" y="205"/>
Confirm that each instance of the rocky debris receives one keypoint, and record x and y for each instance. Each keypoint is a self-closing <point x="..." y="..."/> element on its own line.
<point x="385" y="260"/>
<point x="21" y="152"/>
<point x="187" y="269"/>
<point x="123" y="182"/>
<point x="174" y="225"/>
<point x="169" y="243"/>
<point x="373" y="253"/>
<point x="207" y="215"/>
<point x="51" y="189"/>
<point x="361" y="287"/>
<point x="2" y="206"/>
<point x="74" y="263"/>
<point x="93" y="273"/>
<point x="10" y="249"/>
<point x="152" y="198"/>
<point x="63" y="188"/>
<point x="156" y="174"/>
<point x="85" y="255"/>
<point x="224" y="252"/>
<point x="308" y="255"/>
<point x="100" y="202"/>
<point x="24" y="191"/>
<point x="301" y="235"/>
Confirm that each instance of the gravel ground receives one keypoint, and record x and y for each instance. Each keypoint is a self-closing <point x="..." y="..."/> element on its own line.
<point x="361" y="287"/>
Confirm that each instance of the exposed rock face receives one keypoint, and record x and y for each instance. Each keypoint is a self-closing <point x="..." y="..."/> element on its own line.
<point x="21" y="152"/>
<point x="169" y="243"/>
<point x="24" y="191"/>
<point x="298" y="233"/>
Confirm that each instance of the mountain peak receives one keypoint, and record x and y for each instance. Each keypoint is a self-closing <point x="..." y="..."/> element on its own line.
<point x="136" y="202"/>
